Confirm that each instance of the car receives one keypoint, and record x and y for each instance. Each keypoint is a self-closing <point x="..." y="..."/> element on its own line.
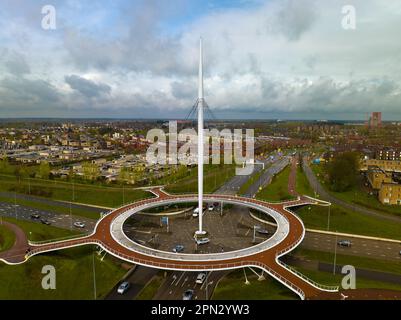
<point x="178" y="248"/>
<point x="202" y="241"/>
<point x="196" y="212"/>
<point x="35" y="216"/>
<point x="210" y="207"/>
<point x="188" y="294"/>
<point x="344" y="243"/>
<point x="123" y="287"/>
<point x="45" y="221"/>
<point x="262" y="231"/>
<point x="79" y="224"/>
<point x="201" y="277"/>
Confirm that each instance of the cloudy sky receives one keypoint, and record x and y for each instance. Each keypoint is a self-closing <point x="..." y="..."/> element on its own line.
<point x="288" y="59"/>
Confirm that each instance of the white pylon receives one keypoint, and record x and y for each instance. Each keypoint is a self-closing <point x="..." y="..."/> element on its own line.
<point x="200" y="105"/>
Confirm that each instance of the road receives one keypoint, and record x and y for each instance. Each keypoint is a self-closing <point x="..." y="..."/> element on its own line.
<point x="138" y="277"/>
<point x="320" y="190"/>
<point x="51" y="202"/>
<point x="178" y="282"/>
<point x="360" y="247"/>
<point x="64" y="221"/>
<point x="277" y="166"/>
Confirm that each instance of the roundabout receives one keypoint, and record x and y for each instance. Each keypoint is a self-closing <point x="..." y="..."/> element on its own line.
<point x="108" y="234"/>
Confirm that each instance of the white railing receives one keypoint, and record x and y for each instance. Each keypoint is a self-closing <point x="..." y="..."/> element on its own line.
<point x="314" y="283"/>
<point x="62" y="239"/>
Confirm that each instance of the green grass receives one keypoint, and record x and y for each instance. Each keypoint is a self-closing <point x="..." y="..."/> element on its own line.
<point x="41" y="232"/>
<point x="253" y="178"/>
<point x="214" y="177"/>
<point x="302" y="184"/>
<point x="52" y="208"/>
<point x="347" y="221"/>
<point x="357" y="194"/>
<point x="232" y="287"/>
<point x="327" y="278"/>
<point x="277" y="190"/>
<point x="149" y="291"/>
<point x="358" y="262"/>
<point x="89" y="194"/>
<point x="7" y="238"/>
<point x="74" y="277"/>
<point x="364" y="199"/>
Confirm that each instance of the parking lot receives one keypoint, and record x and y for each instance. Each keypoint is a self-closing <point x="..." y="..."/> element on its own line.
<point x="232" y="229"/>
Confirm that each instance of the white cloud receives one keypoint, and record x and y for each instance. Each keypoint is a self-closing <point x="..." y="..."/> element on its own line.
<point x="281" y="56"/>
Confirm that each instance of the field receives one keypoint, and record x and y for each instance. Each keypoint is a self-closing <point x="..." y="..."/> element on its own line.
<point x="7" y="238"/>
<point x="214" y="176"/>
<point x="74" y="276"/>
<point x="347" y="221"/>
<point x="277" y="190"/>
<point x="81" y="193"/>
<point x="357" y="195"/>
<point x="233" y="287"/>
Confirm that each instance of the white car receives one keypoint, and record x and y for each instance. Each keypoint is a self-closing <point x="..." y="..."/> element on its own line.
<point x="123" y="287"/>
<point x="201" y="277"/>
<point x="202" y="241"/>
<point x="196" y="212"/>
<point x="79" y="224"/>
<point x="210" y="207"/>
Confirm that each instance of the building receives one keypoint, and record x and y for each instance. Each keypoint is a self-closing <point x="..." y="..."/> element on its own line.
<point x="375" y="120"/>
<point x="385" y="165"/>
<point x="377" y="177"/>
<point x="390" y="193"/>
<point x="388" y="154"/>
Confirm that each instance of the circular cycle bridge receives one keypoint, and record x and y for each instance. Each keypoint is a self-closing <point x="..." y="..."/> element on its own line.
<point x="109" y="235"/>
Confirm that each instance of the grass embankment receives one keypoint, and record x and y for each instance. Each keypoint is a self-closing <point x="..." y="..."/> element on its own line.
<point x="7" y="238"/>
<point x="277" y="190"/>
<point x="149" y="291"/>
<point x="233" y="287"/>
<point x="302" y="184"/>
<point x="252" y="179"/>
<point x="347" y="221"/>
<point x="81" y="193"/>
<point x="358" y="195"/>
<point x="213" y="178"/>
<point x="327" y="278"/>
<point x="357" y="262"/>
<point x="74" y="276"/>
<point x="342" y="219"/>
<point x="41" y="232"/>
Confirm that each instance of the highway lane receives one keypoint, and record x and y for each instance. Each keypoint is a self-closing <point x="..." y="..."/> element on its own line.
<point x="360" y="247"/>
<point x="178" y="282"/>
<point x="59" y="220"/>
<point x="138" y="277"/>
<point x="277" y="166"/>
<point x="51" y="202"/>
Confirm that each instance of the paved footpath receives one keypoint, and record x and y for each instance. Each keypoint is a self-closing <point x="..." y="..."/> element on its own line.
<point x="20" y="245"/>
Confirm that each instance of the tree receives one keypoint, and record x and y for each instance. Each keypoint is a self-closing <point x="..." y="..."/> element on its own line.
<point x="90" y="170"/>
<point x="44" y="170"/>
<point x="5" y="166"/>
<point x="343" y="171"/>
